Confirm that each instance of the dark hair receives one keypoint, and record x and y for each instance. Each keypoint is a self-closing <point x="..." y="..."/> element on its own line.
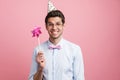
<point x="55" y="13"/>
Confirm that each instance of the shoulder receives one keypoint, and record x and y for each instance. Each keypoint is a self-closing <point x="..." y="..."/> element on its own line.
<point x="72" y="48"/>
<point x="71" y="44"/>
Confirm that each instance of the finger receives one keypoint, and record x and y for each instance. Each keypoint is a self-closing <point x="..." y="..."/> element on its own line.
<point x="40" y="53"/>
<point x="40" y="57"/>
<point x="42" y="60"/>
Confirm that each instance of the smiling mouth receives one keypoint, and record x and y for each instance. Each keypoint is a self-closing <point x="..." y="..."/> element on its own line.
<point x="54" y="32"/>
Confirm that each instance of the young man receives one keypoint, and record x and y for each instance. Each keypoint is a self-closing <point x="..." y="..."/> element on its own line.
<point x="59" y="59"/>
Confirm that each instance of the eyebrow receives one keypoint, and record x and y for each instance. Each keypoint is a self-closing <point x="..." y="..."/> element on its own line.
<point x="56" y="22"/>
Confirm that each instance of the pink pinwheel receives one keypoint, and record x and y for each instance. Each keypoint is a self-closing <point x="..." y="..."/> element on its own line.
<point x="36" y="32"/>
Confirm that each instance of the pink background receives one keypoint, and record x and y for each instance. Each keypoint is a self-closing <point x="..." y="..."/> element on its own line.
<point x="92" y="24"/>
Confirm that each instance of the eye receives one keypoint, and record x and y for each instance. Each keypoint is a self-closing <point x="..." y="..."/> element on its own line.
<point x="58" y="24"/>
<point x="50" y="24"/>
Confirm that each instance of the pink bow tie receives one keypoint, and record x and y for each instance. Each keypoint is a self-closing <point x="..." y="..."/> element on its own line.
<point x="55" y="47"/>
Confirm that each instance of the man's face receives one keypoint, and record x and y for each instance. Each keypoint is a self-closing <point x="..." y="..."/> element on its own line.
<point x="55" y="27"/>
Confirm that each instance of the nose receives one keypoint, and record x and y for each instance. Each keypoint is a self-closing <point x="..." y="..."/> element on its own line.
<point x="54" y="27"/>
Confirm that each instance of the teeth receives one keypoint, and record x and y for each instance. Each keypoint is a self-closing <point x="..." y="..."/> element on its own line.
<point x="54" y="32"/>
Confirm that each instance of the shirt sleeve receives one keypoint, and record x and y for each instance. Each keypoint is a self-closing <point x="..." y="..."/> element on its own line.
<point x="34" y="66"/>
<point x="78" y="65"/>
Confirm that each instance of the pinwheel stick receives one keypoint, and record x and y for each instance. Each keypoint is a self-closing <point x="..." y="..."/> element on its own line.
<point x="36" y="32"/>
<point x="38" y="41"/>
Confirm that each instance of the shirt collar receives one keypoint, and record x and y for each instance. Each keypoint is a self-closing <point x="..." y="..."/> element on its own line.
<point x="59" y="43"/>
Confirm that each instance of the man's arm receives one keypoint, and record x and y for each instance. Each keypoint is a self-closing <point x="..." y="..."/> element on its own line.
<point x="78" y="65"/>
<point x="41" y="61"/>
<point x="38" y="75"/>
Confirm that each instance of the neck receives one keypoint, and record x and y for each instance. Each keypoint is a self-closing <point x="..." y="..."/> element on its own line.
<point x="55" y="41"/>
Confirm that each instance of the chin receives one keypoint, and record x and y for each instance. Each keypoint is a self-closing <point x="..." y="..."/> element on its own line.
<point x="55" y="37"/>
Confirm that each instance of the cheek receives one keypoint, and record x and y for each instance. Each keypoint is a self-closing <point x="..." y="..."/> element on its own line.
<point x="61" y="29"/>
<point x="47" y="28"/>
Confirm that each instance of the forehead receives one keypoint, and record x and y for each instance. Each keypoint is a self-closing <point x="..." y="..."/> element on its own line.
<point x="54" y="19"/>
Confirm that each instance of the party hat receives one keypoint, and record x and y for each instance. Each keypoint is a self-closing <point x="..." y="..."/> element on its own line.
<point x="51" y="6"/>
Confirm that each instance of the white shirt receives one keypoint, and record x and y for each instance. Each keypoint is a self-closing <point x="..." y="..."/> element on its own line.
<point x="63" y="64"/>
